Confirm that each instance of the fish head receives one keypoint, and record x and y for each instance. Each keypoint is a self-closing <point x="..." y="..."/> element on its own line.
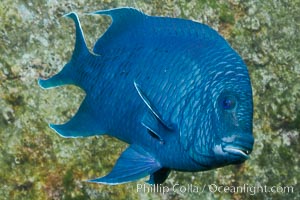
<point x="232" y="125"/>
<point x="216" y="126"/>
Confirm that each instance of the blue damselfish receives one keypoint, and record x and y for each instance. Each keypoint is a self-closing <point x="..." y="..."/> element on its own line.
<point x="173" y="89"/>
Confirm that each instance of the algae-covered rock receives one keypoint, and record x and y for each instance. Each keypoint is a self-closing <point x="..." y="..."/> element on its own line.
<point x="36" y="41"/>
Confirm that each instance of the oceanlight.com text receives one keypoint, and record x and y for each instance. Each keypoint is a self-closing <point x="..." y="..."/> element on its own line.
<point x="213" y="188"/>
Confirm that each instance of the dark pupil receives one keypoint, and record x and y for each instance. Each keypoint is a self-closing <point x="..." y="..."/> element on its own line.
<point x="227" y="103"/>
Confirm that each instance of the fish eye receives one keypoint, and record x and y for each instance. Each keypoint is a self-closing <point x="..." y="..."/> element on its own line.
<point x="228" y="102"/>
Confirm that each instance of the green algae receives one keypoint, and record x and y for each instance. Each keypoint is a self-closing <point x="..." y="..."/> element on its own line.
<point x="35" y="41"/>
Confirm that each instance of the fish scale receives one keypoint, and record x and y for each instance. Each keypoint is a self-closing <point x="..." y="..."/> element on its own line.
<point x="173" y="89"/>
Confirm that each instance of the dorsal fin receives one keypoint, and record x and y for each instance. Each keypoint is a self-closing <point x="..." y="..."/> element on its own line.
<point x="80" y="49"/>
<point x="131" y="27"/>
<point x="122" y="20"/>
<point x="80" y="44"/>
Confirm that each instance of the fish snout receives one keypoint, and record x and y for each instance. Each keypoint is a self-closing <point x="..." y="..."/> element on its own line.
<point x="238" y="145"/>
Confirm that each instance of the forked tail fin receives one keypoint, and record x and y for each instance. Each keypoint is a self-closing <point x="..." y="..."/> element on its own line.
<point x="67" y="74"/>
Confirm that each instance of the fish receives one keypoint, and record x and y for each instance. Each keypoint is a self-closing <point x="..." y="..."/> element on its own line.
<point x="173" y="89"/>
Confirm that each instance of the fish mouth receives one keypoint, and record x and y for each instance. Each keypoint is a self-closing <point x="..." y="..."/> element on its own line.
<point x="240" y="146"/>
<point x="238" y="151"/>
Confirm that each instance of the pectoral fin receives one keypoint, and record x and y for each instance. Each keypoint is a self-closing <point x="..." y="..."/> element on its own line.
<point x="152" y="107"/>
<point x="133" y="164"/>
<point x="154" y="127"/>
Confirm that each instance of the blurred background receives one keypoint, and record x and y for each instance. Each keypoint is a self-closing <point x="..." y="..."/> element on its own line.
<point x="36" y="41"/>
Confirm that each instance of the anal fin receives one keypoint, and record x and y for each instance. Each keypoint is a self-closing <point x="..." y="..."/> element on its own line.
<point x="83" y="124"/>
<point x="133" y="164"/>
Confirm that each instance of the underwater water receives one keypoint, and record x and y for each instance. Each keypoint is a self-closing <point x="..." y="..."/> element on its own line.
<point x="36" y="163"/>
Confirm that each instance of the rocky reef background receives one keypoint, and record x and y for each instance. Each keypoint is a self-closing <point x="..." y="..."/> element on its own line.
<point x="36" y="41"/>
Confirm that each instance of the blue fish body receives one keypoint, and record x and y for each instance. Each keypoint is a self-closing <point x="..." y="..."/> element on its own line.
<point x="173" y="89"/>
